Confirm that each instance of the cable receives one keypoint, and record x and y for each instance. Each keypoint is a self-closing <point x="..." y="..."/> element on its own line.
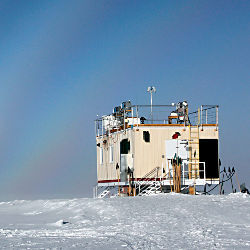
<point x="219" y="184"/>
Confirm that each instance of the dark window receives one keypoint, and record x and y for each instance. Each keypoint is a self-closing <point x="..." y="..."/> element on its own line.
<point x="209" y="154"/>
<point x="146" y="136"/>
<point x="124" y="146"/>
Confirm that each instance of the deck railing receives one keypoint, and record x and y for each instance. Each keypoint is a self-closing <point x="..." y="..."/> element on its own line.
<point x="197" y="175"/>
<point x="157" y="114"/>
<point x="206" y="115"/>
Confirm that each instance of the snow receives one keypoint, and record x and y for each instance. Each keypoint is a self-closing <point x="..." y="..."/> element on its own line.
<point x="155" y="222"/>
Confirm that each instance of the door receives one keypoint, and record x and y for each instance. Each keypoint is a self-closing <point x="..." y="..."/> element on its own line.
<point x="178" y="148"/>
<point x="209" y="153"/>
<point x="125" y="159"/>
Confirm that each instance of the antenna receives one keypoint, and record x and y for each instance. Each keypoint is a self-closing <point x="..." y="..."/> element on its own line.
<point x="151" y="90"/>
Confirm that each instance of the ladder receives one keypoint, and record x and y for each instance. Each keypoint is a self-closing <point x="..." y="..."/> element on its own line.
<point x="194" y="153"/>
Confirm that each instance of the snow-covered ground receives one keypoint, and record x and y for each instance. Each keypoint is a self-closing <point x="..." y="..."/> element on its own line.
<point x="165" y="221"/>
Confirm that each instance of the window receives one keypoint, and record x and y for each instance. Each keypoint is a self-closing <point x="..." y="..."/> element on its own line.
<point x="124" y="146"/>
<point x="146" y="136"/>
<point x="111" y="154"/>
<point x="101" y="155"/>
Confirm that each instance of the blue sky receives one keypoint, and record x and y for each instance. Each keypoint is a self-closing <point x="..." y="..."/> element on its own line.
<point x="63" y="62"/>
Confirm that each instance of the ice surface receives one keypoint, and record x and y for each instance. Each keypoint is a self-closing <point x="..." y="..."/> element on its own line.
<point x="164" y="221"/>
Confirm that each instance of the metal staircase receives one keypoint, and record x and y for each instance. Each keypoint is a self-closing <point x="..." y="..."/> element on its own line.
<point x="104" y="193"/>
<point x="148" y="177"/>
<point x="153" y="188"/>
<point x="149" y="184"/>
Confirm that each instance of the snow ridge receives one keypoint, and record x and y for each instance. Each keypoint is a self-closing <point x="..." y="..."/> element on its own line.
<point x="158" y="222"/>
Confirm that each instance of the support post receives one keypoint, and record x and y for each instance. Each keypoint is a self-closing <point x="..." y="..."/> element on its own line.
<point x="169" y="175"/>
<point x="198" y="122"/>
<point x="151" y="106"/>
<point x="183" y="175"/>
<point x="201" y="114"/>
<point x="217" y="117"/>
<point x="95" y="128"/>
<point x="237" y="181"/>
<point x="201" y="117"/>
<point x="192" y="189"/>
<point x="95" y="192"/>
<point x="137" y="116"/>
<point x="118" y="177"/>
<point x="124" y="120"/>
<point x="102" y="127"/>
<point x="132" y="114"/>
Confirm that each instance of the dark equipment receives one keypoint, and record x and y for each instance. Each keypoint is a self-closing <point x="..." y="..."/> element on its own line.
<point x="244" y="189"/>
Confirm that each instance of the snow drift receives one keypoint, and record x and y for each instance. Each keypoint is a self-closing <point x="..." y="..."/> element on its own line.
<point x="155" y="222"/>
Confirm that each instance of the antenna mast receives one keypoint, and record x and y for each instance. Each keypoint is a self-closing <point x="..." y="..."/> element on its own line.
<point x="151" y="90"/>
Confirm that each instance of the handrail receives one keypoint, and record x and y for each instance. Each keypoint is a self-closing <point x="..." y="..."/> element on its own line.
<point x="195" y="172"/>
<point x="108" y="124"/>
<point x="144" y="179"/>
<point x="149" y="173"/>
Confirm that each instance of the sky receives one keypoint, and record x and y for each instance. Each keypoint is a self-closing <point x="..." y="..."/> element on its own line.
<point x="64" y="62"/>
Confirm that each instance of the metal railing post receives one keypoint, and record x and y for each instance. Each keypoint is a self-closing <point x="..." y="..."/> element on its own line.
<point x="98" y="130"/>
<point x="201" y="114"/>
<point x="183" y="174"/>
<point x="137" y="116"/>
<point x="184" y="119"/>
<point x="217" y="117"/>
<point x="102" y="127"/>
<point x="198" y="117"/>
<point x="95" y="128"/>
<point x="132" y="114"/>
<point x="201" y="117"/>
<point x="204" y="170"/>
<point x="124" y="120"/>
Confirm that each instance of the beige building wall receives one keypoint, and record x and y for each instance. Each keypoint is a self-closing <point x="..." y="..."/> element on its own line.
<point x="107" y="170"/>
<point x="146" y="155"/>
<point x="149" y="155"/>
